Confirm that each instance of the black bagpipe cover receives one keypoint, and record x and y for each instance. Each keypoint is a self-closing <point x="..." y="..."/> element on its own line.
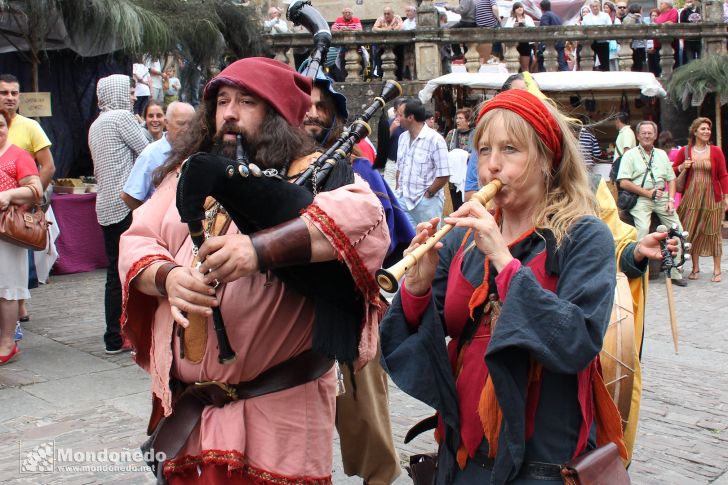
<point x="256" y="203"/>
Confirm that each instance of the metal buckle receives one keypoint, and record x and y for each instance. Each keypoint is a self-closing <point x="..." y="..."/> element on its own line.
<point x="229" y="390"/>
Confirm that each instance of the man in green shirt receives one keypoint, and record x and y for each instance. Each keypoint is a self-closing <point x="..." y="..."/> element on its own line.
<point x="657" y="194"/>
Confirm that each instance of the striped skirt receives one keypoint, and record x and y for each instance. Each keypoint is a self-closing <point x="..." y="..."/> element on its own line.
<point x="700" y="214"/>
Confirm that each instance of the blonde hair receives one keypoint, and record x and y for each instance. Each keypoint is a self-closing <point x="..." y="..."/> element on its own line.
<point x="568" y="196"/>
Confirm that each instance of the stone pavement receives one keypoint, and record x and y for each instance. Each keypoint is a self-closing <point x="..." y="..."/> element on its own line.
<point x="64" y="388"/>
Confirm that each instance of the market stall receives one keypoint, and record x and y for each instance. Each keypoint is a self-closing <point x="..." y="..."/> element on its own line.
<point x="591" y="95"/>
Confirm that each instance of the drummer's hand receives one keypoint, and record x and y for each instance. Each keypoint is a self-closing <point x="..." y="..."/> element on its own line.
<point x="418" y="278"/>
<point x="649" y="247"/>
<point x="488" y="237"/>
<point x="227" y="258"/>
<point x="187" y="293"/>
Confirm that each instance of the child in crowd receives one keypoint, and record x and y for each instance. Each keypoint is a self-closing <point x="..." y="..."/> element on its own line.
<point x="171" y="85"/>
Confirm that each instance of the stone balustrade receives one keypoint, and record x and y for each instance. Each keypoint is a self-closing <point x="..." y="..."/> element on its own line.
<point x="427" y="42"/>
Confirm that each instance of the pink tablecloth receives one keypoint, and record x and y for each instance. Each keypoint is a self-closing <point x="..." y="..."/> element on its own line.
<point x="81" y="243"/>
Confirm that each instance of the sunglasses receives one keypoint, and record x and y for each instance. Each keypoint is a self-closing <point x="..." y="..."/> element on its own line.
<point x="620" y="6"/>
<point x="9" y="93"/>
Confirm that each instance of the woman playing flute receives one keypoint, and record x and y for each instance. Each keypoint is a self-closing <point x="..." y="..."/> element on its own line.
<point x="525" y="295"/>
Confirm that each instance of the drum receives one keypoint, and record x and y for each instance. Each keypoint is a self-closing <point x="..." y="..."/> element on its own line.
<point x="618" y="352"/>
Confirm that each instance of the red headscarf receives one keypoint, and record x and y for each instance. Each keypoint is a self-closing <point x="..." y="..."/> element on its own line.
<point x="531" y="109"/>
<point x="276" y="83"/>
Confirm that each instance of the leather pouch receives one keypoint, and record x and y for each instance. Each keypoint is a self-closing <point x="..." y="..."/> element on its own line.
<point x="422" y="469"/>
<point x="602" y="466"/>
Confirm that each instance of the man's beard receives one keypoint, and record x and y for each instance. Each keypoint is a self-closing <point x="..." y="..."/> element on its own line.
<point x="316" y="128"/>
<point x="229" y="148"/>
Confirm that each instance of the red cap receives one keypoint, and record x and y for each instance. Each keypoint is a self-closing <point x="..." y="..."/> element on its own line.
<point x="278" y="84"/>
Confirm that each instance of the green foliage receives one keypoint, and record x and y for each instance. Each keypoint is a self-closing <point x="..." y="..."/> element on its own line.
<point x="202" y="30"/>
<point x="127" y="23"/>
<point x="692" y="82"/>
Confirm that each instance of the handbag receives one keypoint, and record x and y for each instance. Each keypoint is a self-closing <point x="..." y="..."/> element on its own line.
<point x="682" y="178"/>
<point x="602" y="466"/>
<point x="23" y="226"/>
<point x="626" y="199"/>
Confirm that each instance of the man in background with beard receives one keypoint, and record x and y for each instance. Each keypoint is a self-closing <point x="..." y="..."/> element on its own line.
<point x="362" y="416"/>
<point x="268" y="416"/>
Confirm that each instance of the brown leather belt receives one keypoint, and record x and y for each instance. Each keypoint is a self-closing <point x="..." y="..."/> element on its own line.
<point x="173" y="431"/>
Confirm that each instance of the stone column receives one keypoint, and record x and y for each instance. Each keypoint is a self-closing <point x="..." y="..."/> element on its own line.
<point x="353" y="64"/>
<point x="427" y="16"/>
<point x="713" y="12"/>
<point x="586" y="60"/>
<point x="625" y="55"/>
<point x="667" y="59"/>
<point x="389" y="64"/>
<point x="511" y="57"/>
<point x="550" y="57"/>
<point x="472" y="58"/>
<point x="427" y="54"/>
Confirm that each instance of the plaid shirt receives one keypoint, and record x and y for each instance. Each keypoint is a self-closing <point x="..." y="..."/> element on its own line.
<point x="420" y="163"/>
<point x="115" y="140"/>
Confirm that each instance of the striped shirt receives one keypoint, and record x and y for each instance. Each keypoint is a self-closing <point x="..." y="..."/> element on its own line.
<point x="589" y="146"/>
<point x="420" y="163"/>
<point x="484" y="16"/>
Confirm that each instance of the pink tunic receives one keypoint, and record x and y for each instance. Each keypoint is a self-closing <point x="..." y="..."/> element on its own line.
<point x="286" y="435"/>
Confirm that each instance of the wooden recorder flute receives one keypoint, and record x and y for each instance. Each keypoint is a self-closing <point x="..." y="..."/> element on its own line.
<point x="388" y="279"/>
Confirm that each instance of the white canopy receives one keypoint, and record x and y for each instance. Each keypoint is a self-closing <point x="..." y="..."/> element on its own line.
<point x="563" y="81"/>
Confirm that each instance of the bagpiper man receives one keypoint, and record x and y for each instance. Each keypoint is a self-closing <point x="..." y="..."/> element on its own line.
<point x="219" y="422"/>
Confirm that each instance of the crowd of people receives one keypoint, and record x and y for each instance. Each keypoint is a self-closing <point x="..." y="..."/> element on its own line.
<point x="485" y="13"/>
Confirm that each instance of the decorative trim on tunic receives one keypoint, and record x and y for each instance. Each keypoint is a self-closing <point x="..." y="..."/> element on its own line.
<point x="235" y="463"/>
<point x="345" y="251"/>
<point x="142" y="354"/>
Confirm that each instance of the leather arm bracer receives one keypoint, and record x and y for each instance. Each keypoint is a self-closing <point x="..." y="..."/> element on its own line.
<point x="287" y="244"/>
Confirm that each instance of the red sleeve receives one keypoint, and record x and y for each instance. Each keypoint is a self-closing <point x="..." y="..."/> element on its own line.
<point x="24" y="164"/>
<point x="722" y="171"/>
<point x="367" y="150"/>
<point x="679" y="158"/>
<point x="503" y="280"/>
<point x="414" y="306"/>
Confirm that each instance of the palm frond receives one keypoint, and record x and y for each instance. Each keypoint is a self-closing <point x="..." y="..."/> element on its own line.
<point x="241" y="27"/>
<point x="127" y="24"/>
<point x="690" y="83"/>
<point x="195" y="26"/>
<point x="201" y="29"/>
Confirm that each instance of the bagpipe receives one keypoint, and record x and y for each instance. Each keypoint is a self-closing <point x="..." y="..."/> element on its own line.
<point x="257" y="199"/>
